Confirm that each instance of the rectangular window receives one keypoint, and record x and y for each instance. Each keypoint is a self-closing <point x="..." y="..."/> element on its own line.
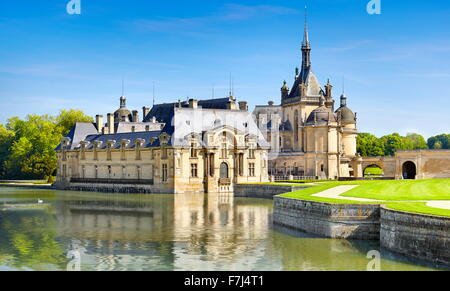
<point x="251" y="152"/>
<point x="251" y="169"/>
<point x="194" y="171"/>
<point x="138" y="152"/>
<point x="193" y="151"/>
<point x="165" y="173"/>
<point x="95" y="153"/>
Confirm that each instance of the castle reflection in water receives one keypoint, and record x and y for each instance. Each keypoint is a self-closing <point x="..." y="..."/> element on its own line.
<point x="196" y="232"/>
<point x="165" y="231"/>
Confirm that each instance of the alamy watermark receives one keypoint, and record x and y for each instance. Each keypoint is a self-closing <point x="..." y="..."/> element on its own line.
<point x="374" y="7"/>
<point x="375" y="261"/>
<point x="74" y="7"/>
<point x="74" y="254"/>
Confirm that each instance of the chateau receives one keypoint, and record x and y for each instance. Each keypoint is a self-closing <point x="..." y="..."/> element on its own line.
<point x="209" y="146"/>
<point x="307" y="135"/>
<point x="193" y="146"/>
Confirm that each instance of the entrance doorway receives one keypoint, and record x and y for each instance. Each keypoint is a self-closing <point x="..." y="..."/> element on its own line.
<point x="409" y="171"/>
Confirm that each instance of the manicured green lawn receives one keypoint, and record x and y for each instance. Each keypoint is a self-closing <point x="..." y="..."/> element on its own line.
<point x="418" y="207"/>
<point x="395" y="193"/>
<point x="438" y="189"/>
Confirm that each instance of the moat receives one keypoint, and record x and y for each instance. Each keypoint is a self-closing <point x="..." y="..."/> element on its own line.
<point x="97" y="231"/>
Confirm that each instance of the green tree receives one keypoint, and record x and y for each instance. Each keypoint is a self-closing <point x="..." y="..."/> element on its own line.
<point x="369" y="145"/>
<point x="414" y="141"/>
<point x="6" y="140"/>
<point x="439" y="142"/>
<point x="393" y="143"/>
<point x="27" y="146"/>
<point x="68" y="118"/>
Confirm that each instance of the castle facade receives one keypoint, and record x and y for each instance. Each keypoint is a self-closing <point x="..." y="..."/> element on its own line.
<point x="194" y="146"/>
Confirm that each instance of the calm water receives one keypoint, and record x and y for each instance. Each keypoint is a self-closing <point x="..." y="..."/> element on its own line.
<point x="94" y="231"/>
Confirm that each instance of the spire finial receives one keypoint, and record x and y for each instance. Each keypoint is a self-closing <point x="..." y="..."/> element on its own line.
<point x="123" y="86"/>
<point x="153" y="93"/>
<point x="306" y="34"/>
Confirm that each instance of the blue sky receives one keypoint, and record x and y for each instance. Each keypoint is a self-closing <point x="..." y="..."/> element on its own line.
<point x="396" y="65"/>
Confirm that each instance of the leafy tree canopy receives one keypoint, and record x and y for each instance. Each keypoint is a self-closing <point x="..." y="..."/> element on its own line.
<point x="27" y="146"/>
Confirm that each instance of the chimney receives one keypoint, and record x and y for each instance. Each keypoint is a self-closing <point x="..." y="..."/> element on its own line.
<point x="153" y="119"/>
<point x="145" y="111"/>
<point x="100" y="124"/>
<point x="193" y="103"/>
<point x="110" y="123"/>
<point x="243" y="106"/>
<point x="135" y="116"/>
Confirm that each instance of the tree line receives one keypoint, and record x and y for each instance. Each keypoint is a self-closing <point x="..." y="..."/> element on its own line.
<point x="27" y="146"/>
<point x="369" y="145"/>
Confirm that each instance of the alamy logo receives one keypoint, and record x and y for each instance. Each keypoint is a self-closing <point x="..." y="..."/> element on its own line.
<point x="374" y="7"/>
<point x="375" y="261"/>
<point x="74" y="7"/>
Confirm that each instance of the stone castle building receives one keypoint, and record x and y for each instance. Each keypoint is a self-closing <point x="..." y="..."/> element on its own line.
<point x="308" y="136"/>
<point x="194" y="146"/>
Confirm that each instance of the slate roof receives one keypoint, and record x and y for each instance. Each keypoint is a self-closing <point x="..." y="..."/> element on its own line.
<point x="78" y="133"/>
<point x="147" y="136"/>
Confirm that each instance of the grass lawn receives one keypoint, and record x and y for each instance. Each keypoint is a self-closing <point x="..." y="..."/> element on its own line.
<point x="398" y="195"/>
<point x="373" y="172"/>
<point x="418" y="207"/>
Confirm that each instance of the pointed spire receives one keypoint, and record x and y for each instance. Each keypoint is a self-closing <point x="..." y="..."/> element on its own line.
<point x="306" y="34"/>
<point x="306" y="46"/>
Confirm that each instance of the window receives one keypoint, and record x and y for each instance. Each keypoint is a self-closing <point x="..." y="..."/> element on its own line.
<point x="194" y="171"/>
<point x="64" y="174"/>
<point x="123" y="156"/>
<point x="251" y="169"/>
<point x="138" y="151"/>
<point x="164" y="153"/>
<point x="164" y="175"/>
<point x="147" y="128"/>
<point x="95" y="152"/>
<point x="321" y="168"/>
<point x="109" y="172"/>
<point x="251" y="152"/>
<point x="133" y="129"/>
<point x="83" y="172"/>
<point x="224" y="171"/>
<point x="193" y="150"/>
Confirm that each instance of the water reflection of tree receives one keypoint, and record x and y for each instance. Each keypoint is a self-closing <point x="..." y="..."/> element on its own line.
<point x="27" y="239"/>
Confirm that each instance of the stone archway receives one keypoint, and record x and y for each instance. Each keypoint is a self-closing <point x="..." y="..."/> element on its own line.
<point x="373" y="170"/>
<point x="409" y="171"/>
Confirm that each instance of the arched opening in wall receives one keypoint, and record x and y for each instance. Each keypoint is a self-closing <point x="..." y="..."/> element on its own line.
<point x="224" y="171"/>
<point x="409" y="171"/>
<point x="373" y="171"/>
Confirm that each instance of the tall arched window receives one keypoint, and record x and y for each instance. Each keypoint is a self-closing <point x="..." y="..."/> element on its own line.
<point x="224" y="171"/>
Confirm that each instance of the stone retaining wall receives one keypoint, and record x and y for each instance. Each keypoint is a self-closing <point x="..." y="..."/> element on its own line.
<point x="117" y="188"/>
<point x="264" y="191"/>
<point x="416" y="235"/>
<point x="347" y="221"/>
